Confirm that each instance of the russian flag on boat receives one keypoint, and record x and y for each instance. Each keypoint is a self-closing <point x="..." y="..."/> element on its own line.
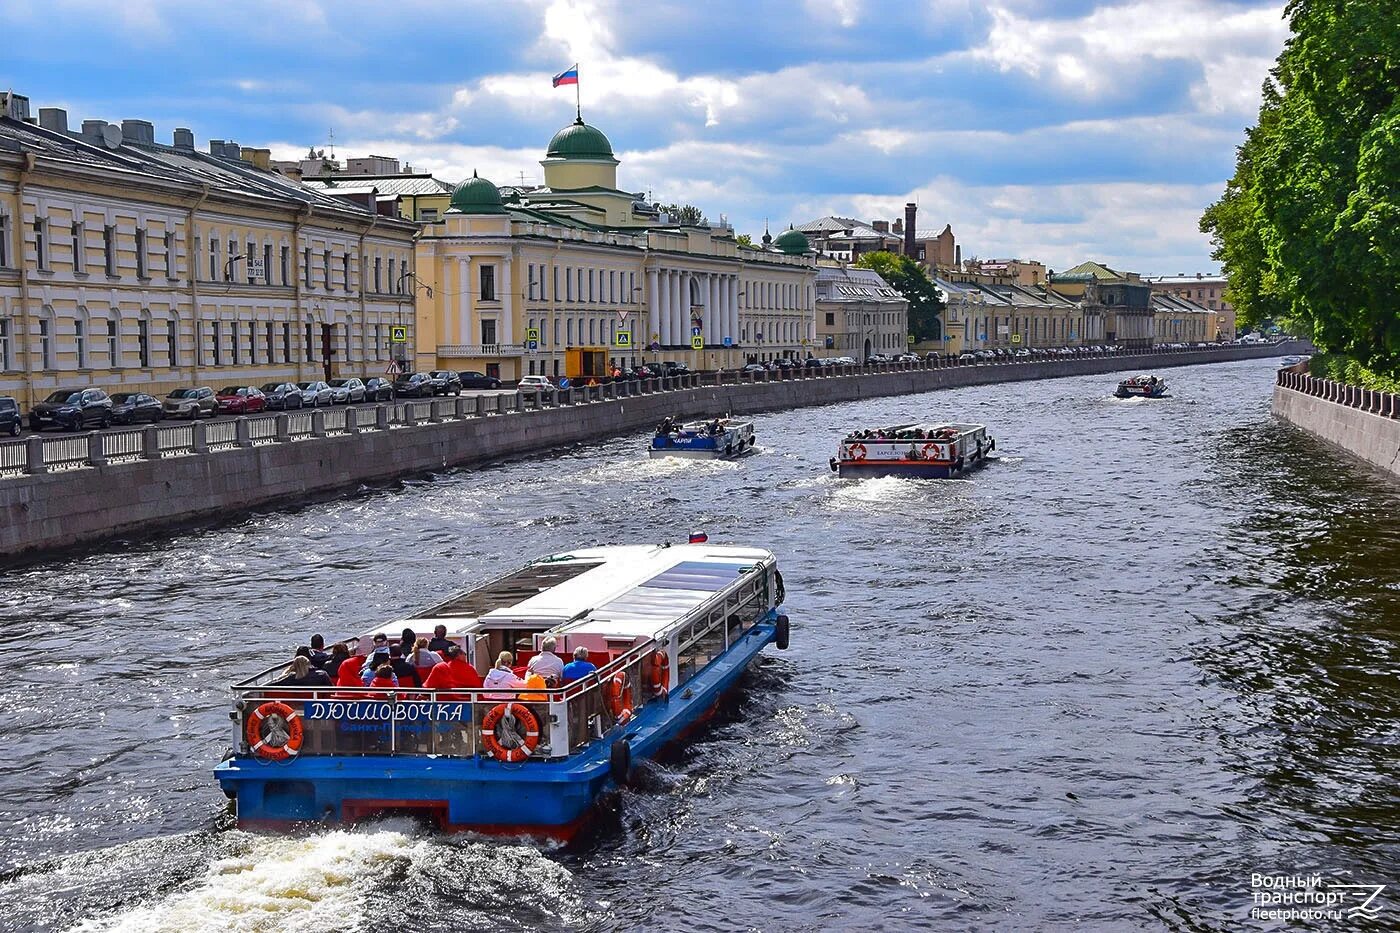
<point x="698" y="537"/>
<point x="567" y="77"/>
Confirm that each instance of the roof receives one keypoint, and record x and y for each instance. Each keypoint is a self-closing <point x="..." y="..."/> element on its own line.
<point x="1097" y="269"/>
<point x="476" y="195"/>
<point x="793" y="242"/>
<point x="854" y="284"/>
<point x="1200" y="278"/>
<point x="387" y="184"/>
<point x="578" y="140"/>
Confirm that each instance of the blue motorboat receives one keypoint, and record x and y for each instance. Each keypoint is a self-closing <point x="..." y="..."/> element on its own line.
<point x="670" y="629"/>
<point x="1142" y="387"/>
<point x="717" y="439"/>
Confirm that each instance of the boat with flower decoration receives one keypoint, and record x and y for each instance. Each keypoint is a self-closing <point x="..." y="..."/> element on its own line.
<point x="930" y="451"/>
<point x="670" y="629"/>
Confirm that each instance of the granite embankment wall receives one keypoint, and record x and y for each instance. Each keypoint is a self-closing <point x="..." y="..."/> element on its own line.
<point x="1361" y="422"/>
<point x="64" y="508"/>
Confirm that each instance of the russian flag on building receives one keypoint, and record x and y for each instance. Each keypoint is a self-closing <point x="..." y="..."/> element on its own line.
<point x="567" y="77"/>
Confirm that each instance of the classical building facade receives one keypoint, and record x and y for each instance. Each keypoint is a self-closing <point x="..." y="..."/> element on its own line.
<point x="985" y="315"/>
<point x="1122" y="298"/>
<point x="859" y="314"/>
<point x="1180" y="320"/>
<point x="576" y="276"/>
<point x="1206" y="290"/>
<point x="128" y="264"/>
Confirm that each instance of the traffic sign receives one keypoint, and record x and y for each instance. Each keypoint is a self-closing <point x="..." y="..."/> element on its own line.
<point x="532" y="345"/>
<point x="532" y="333"/>
<point x="697" y="343"/>
<point x="911" y="340"/>
<point x="623" y="340"/>
<point x="398" y="334"/>
<point x="695" y="332"/>
<point x="729" y="341"/>
<point x="1015" y="338"/>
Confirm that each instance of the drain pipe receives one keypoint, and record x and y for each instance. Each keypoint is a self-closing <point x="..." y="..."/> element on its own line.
<point x="25" y="169"/>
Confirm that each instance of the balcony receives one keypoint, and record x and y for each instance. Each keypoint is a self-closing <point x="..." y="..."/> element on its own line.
<point x="464" y="350"/>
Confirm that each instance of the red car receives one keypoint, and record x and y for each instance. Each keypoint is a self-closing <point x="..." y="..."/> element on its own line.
<point x="241" y="400"/>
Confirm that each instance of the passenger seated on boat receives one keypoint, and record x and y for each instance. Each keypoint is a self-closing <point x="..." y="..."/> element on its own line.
<point x="453" y="673"/>
<point x="319" y="656"/>
<point x="384" y="678"/>
<point x="339" y="652"/>
<point x="348" y="674"/>
<point x="547" y="664"/>
<point x="302" y="674"/>
<point x="406" y="640"/>
<point x="534" y="681"/>
<point x="667" y="425"/>
<point x="502" y="676"/>
<point x="403" y="667"/>
<point x="579" y="667"/>
<point x="439" y="640"/>
<point x="424" y="659"/>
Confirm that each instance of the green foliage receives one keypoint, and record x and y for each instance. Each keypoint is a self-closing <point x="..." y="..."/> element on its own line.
<point x="909" y="279"/>
<point x="744" y="239"/>
<point x="686" y="215"/>
<point x="1308" y="229"/>
<point x="1344" y="369"/>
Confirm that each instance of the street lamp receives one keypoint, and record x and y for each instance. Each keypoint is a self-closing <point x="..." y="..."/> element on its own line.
<point x="398" y="312"/>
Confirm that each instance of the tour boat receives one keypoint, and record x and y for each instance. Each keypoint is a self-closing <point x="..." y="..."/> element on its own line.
<point x="935" y="451"/>
<point x="1142" y="387"/>
<point x="718" y="439"/>
<point x="671" y="629"/>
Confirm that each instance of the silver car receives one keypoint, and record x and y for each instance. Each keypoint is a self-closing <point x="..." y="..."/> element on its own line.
<point x="348" y="391"/>
<point x="194" y="403"/>
<point x="316" y="394"/>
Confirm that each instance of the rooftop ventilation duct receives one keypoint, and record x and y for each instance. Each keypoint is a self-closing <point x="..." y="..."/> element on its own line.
<point x="139" y="132"/>
<point x="184" y="139"/>
<point x="53" y="118"/>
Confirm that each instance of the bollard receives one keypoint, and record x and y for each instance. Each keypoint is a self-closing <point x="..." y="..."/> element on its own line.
<point x="34" y="455"/>
<point x="318" y="423"/>
<point x="381" y="418"/>
<point x="97" y="455"/>
<point x="242" y="432"/>
<point x="150" y="443"/>
<point x="199" y="441"/>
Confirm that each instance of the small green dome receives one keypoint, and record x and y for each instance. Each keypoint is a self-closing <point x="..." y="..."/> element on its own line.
<point x="578" y="140"/>
<point x="793" y="242"/>
<point x="477" y="196"/>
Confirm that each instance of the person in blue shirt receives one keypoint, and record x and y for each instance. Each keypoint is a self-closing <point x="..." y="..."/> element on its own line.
<point x="580" y="666"/>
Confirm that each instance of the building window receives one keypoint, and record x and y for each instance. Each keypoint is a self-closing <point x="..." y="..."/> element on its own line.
<point x="4" y="249"/>
<point x="590" y="286"/>
<point x="267" y="263"/>
<point x="213" y="258"/>
<point x="79" y="252"/>
<point x="286" y="278"/>
<point x="143" y="342"/>
<point x="571" y="332"/>
<point x="172" y="343"/>
<point x="592" y="332"/>
<point x="114" y="348"/>
<point x="286" y="343"/>
<point x="233" y="335"/>
<point x="306" y="267"/>
<point x="830" y="319"/>
<point x="568" y="284"/>
<point x="141" y="271"/>
<point x="556" y="289"/>
<point x="109" y="249"/>
<point x="231" y="270"/>
<point x="488" y="283"/>
<point x="429" y="213"/>
<point x="378" y="286"/>
<point x="345" y="271"/>
<point x="169" y="255"/>
<point x="250" y="253"/>
<point x="271" y="344"/>
<point x="326" y="270"/>
<point x="310" y="336"/>
<point x="394" y="283"/>
<point x="218" y="343"/>
<point x="556" y="332"/>
<point x="80" y="342"/>
<point x="45" y="344"/>
<point x="488" y="333"/>
<point x="41" y="243"/>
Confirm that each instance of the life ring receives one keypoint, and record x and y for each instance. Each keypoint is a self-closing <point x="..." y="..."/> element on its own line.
<point x="856" y="451"/>
<point x="618" y="697"/>
<point x="660" y="673"/>
<point x="262" y="745"/>
<point x="929" y="451"/>
<point x="524" y="730"/>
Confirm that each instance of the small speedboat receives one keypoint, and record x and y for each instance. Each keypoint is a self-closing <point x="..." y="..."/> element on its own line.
<point x="1142" y="387"/>
<point x="932" y="451"/>
<point x="717" y="439"/>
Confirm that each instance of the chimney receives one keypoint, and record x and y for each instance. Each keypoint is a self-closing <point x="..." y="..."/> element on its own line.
<point x="216" y="147"/>
<point x="92" y="130"/>
<point x="53" y="118"/>
<point x="262" y="158"/>
<point x="246" y="154"/>
<point x="957" y="255"/>
<point x="910" y="210"/>
<point x="881" y="226"/>
<point x="139" y="132"/>
<point x="16" y="106"/>
<point x="898" y="228"/>
<point x="184" y="139"/>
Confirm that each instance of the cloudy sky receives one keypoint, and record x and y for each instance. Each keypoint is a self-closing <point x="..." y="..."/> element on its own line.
<point x="1051" y="129"/>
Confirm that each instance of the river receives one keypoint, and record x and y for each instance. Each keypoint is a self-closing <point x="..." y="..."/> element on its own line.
<point x="1151" y="651"/>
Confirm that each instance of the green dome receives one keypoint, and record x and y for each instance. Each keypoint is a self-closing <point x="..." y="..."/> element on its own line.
<point x="476" y="196"/>
<point x="793" y="242"/>
<point x="578" y="140"/>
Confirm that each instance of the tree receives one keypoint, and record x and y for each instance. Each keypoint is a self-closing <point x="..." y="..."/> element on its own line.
<point x="744" y="239"/>
<point x="908" y="278"/>
<point x="1308" y="229"/>
<point x="687" y="215"/>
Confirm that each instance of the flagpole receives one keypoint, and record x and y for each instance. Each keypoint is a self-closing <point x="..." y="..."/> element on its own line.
<point x="578" y="95"/>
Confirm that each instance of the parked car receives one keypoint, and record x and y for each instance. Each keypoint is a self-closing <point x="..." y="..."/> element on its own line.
<point x="316" y="393"/>
<point x="445" y="382"/>
<point x="136" y="407"/>
<point x="812" y="363"/>
<point x="533" y="384"/>
<point x="347" y="391"/>
<point x="197" y="402"/>
<point x="241" y="400"/>
<point x="73" y="409"/>
<point x="674" y="368"/>
<point x="414" y="385"/>
<point x="10" y="417"/>
<point x="378" y="389"/>
<point x="754" y="368"/>
<point x="908" y="358"/>
<point x="282" y="396"/>
<point x="475" y="380"/>
<point x="649" y="371"/>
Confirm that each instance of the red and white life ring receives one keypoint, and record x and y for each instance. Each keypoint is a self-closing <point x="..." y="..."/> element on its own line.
<point x="512" y="714"/>
<point x="929" y="452"/>
<point x="261" y="721"/>
<point x="856" y="451"/>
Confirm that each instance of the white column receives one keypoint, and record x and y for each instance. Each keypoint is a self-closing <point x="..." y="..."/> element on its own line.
<point x="464" y="301"/>
<point x="653" y="311"/>
<point x="668" y="307"/>
<point x="680" y="312"/>
<point x="507" y="304"/>
<point x="734" y="306"/>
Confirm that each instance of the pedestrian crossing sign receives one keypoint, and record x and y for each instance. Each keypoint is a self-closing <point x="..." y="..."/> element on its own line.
<point x="398" y="334"/>
<point x="532" y="333"/>
<point x="697" y="343"/>
<point x="623" y="340"/>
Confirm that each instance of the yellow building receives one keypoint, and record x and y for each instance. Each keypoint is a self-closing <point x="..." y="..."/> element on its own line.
<point x="578" y="275"/>
<point x="127" y="264"/>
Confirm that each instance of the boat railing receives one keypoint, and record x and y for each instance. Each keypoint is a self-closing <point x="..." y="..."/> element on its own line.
<point x="446" y="723"/>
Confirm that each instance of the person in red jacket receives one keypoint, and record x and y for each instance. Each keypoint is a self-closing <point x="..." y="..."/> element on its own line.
<point x="453" y="674"/>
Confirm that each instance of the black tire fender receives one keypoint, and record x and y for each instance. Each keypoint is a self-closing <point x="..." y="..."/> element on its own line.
<point x="620" y="762"/>
<point x="780" y="638"/>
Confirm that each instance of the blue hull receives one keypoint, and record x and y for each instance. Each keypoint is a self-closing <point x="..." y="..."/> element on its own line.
<point x="546" y="798"/>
